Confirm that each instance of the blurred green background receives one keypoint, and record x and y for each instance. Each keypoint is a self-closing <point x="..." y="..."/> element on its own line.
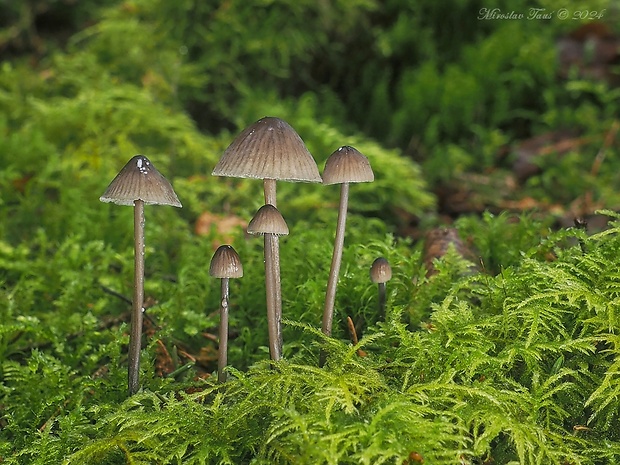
<point x="442" y="97"/>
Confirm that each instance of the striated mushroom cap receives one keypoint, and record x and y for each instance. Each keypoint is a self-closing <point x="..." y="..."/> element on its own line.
<point x="226" y="263"/>
<point x="140" y="180"/>
<point x="380" y="271"/>
<point x="347" y="165"/>
<point x="268" y="149"/>
<point x="268" y="220"/>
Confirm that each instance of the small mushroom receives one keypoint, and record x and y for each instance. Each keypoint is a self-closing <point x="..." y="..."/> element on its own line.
<point x="381" y="273"/>
<point x="269" y="222"/>
<point x="344" y="166"/>
<point x="138" y="183"/>
<point x="225" y="264"/>
<point x="270" y="150"/>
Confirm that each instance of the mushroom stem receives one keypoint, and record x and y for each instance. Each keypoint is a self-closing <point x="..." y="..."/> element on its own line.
<point x="273" y="284"/>
<point x="272" y="279"/>
<point x="135" y="336"/>
<point x="269" y="185"/>
<point x="222" y="359"/>
<point x="330" y="295"/>
<point x="381" y="287"/>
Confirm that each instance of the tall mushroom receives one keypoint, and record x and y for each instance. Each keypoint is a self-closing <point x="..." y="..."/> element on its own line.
<point x="225" y="264"/>
<point x="269" y="222"/>
<point x="138" y="183"/>
<point x="381" y="273"/>
<point x="344" y="166"/>
<point x="270" y="150"/>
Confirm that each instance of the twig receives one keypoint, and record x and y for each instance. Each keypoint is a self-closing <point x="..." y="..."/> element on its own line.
<point x="354" y="339"/>
<point x="107" y="290"/>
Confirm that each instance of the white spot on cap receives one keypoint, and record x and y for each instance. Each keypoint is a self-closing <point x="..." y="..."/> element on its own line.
<point x="141" y="163"/>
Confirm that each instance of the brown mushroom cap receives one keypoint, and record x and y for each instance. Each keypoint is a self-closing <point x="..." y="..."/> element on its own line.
<point x="268" y="149"/>
<point x="268" y="220"/>
<point x="347" y="165"/>
<point x="380" y="271"/>
<point x="226" y="263"/>
<point x="140" y="180"/>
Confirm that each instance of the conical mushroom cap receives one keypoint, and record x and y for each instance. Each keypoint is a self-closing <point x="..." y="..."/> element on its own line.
<point x="347" y="165"/>
<point x="380" y="271"/>
<point x="226" y="263"/>
<point x="268" y="220"/>
<point x="268" y="149"/>
<point x="140" y="180"/>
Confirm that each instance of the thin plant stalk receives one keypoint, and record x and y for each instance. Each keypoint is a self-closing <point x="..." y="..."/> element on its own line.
<point x="382" y="299"/>
<point x="271" y="281"/>
<point x="273" y="285"/>
<point x="135" y="335"/>
<point x="334" y="271"/>
<point x="330" y="294"/>
<point x="222" y="359"/>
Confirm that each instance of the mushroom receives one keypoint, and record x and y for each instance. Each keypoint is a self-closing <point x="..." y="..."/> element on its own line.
<point x="270" y="150"/>
<point x="225" y="264"/>
<point x="381" y="273"/>
<point x="344" y="166"/>
<point x="269" y="222"/>
<point x="138" y="183"/>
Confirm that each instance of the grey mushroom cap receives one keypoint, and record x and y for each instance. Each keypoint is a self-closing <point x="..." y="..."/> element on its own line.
<point x="226" y="263"/>
<point x="347" y="164"/>
<point x="140" y="180"/>
<point x="268" y="220"/>
<point x="380" y="271"/>
<point x="268" y="149"/>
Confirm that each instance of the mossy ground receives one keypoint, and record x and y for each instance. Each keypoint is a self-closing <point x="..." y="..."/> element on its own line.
<point x="512" y="357"/>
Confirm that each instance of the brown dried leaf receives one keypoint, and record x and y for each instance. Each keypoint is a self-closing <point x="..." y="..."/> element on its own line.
<point x="592" y="50"/>
<point x="437" y="243"/>
<point x="221" y="227"/>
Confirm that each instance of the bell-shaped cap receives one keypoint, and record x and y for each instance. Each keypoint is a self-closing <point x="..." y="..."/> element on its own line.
<point x="380" y="271"/>
<point x="268" y="220"/>
<point x="140" y="180"/>
<point x="268" y="149"/>
<point x="226" y="263"/>
<point x="347" y="165"/>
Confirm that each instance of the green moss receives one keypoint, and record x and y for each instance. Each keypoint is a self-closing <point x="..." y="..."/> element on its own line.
<point x="514" y="363"/>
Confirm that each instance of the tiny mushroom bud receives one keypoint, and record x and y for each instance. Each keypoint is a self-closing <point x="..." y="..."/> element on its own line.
<point x="269" y="222"/>
<point x="138" y="183"/>
<point x="225" y="264"/>
<point x="344" y="166"/>
<point x="270" y="150"/>
<point x="381" y="273"/>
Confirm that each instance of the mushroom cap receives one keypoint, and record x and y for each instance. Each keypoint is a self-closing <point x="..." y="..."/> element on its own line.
<point x="226" y="263"/>
<point x="268" y="220"/>
<point x="140" y="180"/>
<point x="380" y="271"/>
<point x="347" y="165"/>
<point x="268" y="149"/>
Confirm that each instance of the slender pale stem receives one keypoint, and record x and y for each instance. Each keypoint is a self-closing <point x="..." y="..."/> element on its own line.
<point x="269" y="185"/>
<point x="222" y="359"/>
<point x="381" y="287"/>
<point x="330" y="294"/>
<point x="135" y="336"/>
<point x="273" y="322"/>
<point x="273" y="284"/>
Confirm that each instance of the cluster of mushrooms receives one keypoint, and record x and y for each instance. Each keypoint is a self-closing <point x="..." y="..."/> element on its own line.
<point x="270" y="150"/>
